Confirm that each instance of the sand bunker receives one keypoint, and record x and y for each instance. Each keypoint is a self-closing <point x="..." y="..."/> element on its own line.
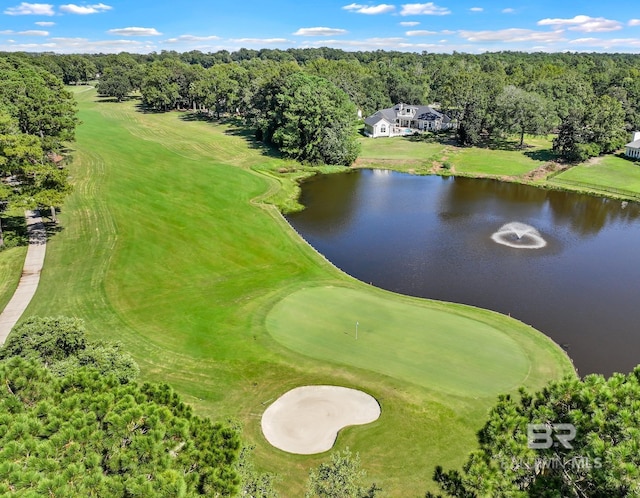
<point x="306" y="420"/>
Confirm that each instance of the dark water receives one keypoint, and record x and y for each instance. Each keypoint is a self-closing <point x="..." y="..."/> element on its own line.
<point x="431" y="237"/>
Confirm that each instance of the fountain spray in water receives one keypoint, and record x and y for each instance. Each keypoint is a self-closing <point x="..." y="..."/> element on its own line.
<point x="519" y="236"/>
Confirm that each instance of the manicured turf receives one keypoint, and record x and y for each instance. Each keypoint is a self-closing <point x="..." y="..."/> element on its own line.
<point x="444" y="351"/>
<point x="497" y="162"/>
<point x="609" y="174"/>
<point x="397" y="148"/>
<point x="422" y="155"/>
<point x="168" y="248"/>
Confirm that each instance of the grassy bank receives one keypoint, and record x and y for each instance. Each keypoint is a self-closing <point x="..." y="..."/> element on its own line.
<point x="12" y="256"/>
<point x="440" y="154"/>
<point x="610" y="176"/>
<point x="11" y="261"/>
<point x="168" y="247"/>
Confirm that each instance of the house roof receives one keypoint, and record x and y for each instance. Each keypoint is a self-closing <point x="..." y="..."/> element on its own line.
<point x="391" y="114"/>
<point x="379" y="116"/>
<point x="634" y="145"/>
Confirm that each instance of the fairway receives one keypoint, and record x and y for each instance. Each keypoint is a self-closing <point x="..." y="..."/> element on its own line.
<point x="436" y="349"/>
<point x="169" y="247"/>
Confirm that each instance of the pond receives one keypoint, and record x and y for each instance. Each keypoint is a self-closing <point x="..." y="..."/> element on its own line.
<point x="567" y="264"/>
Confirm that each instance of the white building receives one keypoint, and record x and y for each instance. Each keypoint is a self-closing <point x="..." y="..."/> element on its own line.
<point x="632" y="149"/>
<point x="403" y="119"/>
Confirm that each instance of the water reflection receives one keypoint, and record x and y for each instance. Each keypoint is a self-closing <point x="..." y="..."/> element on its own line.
<point x="431" y="237"/>
<point x="338" y="201"/>
<point x="583" y="214"/>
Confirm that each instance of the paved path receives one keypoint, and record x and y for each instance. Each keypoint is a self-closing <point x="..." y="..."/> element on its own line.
<point x="30" y="275"/>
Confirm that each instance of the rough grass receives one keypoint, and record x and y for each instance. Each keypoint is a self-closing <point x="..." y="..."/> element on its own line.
<point x="168" y="248"/>
<point x="11" y="261"/>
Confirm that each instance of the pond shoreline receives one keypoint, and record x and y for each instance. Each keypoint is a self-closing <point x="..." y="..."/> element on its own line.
<point x="423" y="238"/>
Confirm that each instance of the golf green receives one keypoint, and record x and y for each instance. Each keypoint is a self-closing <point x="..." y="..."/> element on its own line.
<point x="429" y="347"/>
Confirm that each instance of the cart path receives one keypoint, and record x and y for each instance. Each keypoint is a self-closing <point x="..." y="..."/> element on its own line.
<point x="30" y="275"/>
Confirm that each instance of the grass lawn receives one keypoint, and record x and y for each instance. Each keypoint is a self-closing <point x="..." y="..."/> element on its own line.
<point x="14" y="227"/>
<point x="168" y="248"/>
<point x="400" y="153"/>
<point x="11" y="261"/>
<point x="504" y="159"/>
<point x="607" y="174"/>
<point x="610" y="175"/>
<point x="408" y="339"/>
<point x="510" y="161"/>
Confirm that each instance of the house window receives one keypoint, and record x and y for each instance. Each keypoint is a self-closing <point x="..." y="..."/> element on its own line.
<point x="383" y="129"/>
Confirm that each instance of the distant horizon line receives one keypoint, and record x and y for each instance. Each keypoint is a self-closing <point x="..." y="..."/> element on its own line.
<point x="304" y="49"/>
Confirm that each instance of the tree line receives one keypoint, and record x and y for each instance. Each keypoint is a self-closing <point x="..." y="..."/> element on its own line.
<point x="37" y="119"/>
<point x="592" y="101"/>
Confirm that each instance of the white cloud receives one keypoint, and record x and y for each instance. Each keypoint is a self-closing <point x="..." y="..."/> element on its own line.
<point x="508" y="10"/>
<point x="44" y="23"/>
<point x="476" y="9"/>
<point x="192" y="38"/>
<point x="367" y="44"/>
<point x="634" y="22"/>
<point x="258" y="41"/>
<point x="29" y="32"/>
<point x="426" y="9"/>
<point x="409" y="24"/>
<point x="421" y="32"/>
<point x="320" y="31"/>
<point x="82" y="45"/>
<point x="134" y="31"/>
<point x="84" y="9"/>
<point x="33" y="32"/>
<point x="396" y="43"/>
<point x="30" y="9"/>
<point x="27" y="47"/>
<point x="615" y="43"/>
<point x="585" y="24"/>
<point x="383" y="8"/>
<point x="513" y="35"/>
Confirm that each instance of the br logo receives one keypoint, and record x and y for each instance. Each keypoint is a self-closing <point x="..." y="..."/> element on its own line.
<point x="544" y="436"/>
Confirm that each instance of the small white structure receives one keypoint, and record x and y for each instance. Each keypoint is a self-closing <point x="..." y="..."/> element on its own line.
<point x="632" y="149"/>
<point x="403" y="119"/>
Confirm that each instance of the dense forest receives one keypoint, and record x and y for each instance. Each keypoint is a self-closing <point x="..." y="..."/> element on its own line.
<point x="37" y="118"/>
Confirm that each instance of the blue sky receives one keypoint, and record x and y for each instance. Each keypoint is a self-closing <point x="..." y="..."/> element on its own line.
<point x="210" y="25"/>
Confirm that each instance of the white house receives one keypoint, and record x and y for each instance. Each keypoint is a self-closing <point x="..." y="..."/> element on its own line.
<point x="632" y="149"/>
<point x="403" y="119"/>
